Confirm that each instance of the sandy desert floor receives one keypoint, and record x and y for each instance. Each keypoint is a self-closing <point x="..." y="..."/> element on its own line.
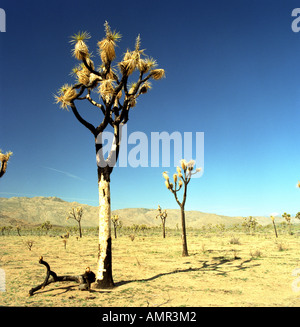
<point x="257" y="270"/>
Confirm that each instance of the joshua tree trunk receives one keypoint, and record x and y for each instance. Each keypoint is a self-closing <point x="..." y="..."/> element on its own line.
<point x="275" y="229"/>
<point x="164" y="227"/>
<point x="105" y="167"/>
<point x="80" y="231"/>
<point x="183" y="236"/>
<point x="104" y="271"/>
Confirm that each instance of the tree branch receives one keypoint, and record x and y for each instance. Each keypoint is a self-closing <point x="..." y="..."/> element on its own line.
<point x="3" y="162"/>
<point x="81" y="120"/>
<point x="84" y="280"/>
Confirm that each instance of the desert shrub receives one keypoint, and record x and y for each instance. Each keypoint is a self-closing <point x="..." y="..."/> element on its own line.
<point x="281" y="246"/>
<point x="234" y="240"/>
<point x="29" y="244"/>
<point x="255" y="254"/>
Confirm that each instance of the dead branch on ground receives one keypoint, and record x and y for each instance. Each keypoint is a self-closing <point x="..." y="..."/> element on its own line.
<point x="85" y="280"/>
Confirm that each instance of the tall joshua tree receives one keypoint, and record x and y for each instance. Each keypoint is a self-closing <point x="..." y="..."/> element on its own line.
<point x="117" y="96"/>
<point x="3" y="162"/>
<point x="182" y="180"/>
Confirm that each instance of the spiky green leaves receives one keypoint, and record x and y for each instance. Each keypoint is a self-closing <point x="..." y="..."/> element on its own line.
<point x="80" y="36"/>
<point x="80" y="50"/>
<point x="180" y="178"/>
<point x="110" y="86"/>
<point x="65" y="95"/>
<point x="157" y="74"/>
<point x="107" y="45"/>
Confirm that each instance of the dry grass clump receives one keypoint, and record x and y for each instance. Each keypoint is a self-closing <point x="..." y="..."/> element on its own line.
<point x="281" y="246"/>
<point x="234" y="240"/>
<point x="255" y="254"/>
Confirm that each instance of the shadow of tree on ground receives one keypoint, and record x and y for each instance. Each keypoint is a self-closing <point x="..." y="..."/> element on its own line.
<point x="217" y="267"/>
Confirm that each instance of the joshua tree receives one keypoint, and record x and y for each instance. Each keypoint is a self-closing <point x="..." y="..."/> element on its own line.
<point x="117" y="97"/>
<point x="297" y="215"/>
<point x="116" y="223"/>
<point x="3" y="162"/>
<point x="47" y="226"/>
<point x="18" y="228"/>
<point x="287" y="217"/>
<point x="163" y="216"/>
<point x="76" y="215"/>
<point x="250" y="224"/>
<point x="179" y="181"/>
<point x="273" y="221"/>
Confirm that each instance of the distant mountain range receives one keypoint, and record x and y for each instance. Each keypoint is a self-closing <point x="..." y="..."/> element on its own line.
<point x="34" y="211"/>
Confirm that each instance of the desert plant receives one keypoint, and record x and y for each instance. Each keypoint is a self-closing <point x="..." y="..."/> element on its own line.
<point x="2" y="229"/>
<point x="273" y="222"/>
<point x="117" y="97"/>
<point x="234" y="240"/>
<point x="132" y="237"/>
<point x="181" y="180"/>
<point x="18" y="228"/>
<point x="29" y="244"/>
<point x="280" y="246"/>
<point x="116" y="223"/>
<point x="8" y="229"/>
<point x="46" y="226"/>
<point x="3" y="161"/>
<point x="287" y="217"/>
<point x="250" y="224"/>
<point x="255" y="254"/>
<point x="77" y="216"/>
<point x="163" y="216"/>
<point x="65" y="242"/>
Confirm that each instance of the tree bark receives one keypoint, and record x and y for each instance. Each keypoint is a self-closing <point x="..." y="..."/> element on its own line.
<point x="84" y="280"/>
<point x="104" y="277"/>
<point x="183" y="236"/>
<point x="105" y="167"/>
<point x="275" y="229"/>
<point x="164" y="227"/>
<point x="80" y="232"/>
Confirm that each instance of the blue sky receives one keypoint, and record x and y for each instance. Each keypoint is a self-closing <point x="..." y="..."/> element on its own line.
<point x="232" y="72"/>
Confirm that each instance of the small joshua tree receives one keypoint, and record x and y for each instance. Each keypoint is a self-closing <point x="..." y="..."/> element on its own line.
<point x="181" y="180"/>
<point x="76" y="214"/>
<point x="29" y="244"/>
<point x="47" y="226"/>
<point x="116" y="223"/>
<point x="3" y="162"/>
<point x="287" y="217"/>
<point x="273" y="221"/>
<point x="18" y="228"/>
<point x="163" y="216"/>
<point x="250" y="224"/>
